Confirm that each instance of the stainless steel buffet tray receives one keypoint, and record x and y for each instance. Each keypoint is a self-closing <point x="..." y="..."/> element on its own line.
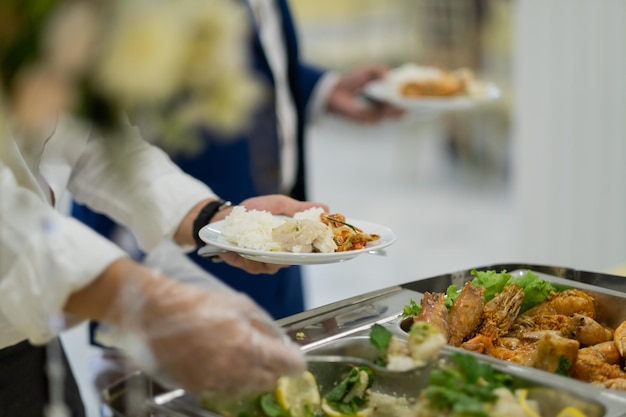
<point x="340" y="329"/>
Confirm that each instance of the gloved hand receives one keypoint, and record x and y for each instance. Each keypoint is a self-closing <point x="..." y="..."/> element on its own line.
<point x="204" y="339"/>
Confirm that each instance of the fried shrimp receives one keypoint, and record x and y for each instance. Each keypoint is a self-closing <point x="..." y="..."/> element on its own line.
<point x="588" y="331"/>
<point x="434" y="312"/>
<point x="465" y="313"/>
<point x="500" y="312"/>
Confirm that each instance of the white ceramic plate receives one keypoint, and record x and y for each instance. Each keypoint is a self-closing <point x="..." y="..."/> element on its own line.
<point x="212" y="235"/>
<point x="387" y="91"/>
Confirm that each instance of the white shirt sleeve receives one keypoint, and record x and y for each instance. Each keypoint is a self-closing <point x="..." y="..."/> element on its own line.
<point x="44" y="257"/>
<point x="137" y="185"/>
<point x="319" y="98"/>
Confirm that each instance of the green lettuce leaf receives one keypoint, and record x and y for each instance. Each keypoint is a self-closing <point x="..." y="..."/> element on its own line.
<point x="536" y="290"/>
<point x="493" y="282"/>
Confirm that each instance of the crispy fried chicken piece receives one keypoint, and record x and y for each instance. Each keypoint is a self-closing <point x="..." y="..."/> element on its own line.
<point x="590" y="368"/>
<point x="619" y="336"/>
<point x="613" y="383"/>
<point x="537" y="323"/>
<point x="582" y="328"/>
<point x="434" y="312"/>
<point x="465" y="313"/>
<point x="567" y="303"/>
<point x="605" y="351"/>
<point x="599" y="364"/>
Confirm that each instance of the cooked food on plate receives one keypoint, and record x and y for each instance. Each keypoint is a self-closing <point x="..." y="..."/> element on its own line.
<point x="529" y="321"/>
<point x="309" y="231"/>
<point x="415" y="81"/>
<point x="346" y="236"/>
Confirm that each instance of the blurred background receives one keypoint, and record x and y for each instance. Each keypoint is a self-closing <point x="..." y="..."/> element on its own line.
<point x="537" y="177"/>
<point x="441" y="182"/>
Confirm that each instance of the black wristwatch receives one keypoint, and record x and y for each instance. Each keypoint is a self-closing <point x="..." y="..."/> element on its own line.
<point x="205" y="216"/>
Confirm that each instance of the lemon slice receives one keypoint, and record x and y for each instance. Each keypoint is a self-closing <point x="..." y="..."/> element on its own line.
<point x="330" y="411"/>
<point x="521" y="398"/>
<point x="298" y="394"/>
<point x="571" y="412"/>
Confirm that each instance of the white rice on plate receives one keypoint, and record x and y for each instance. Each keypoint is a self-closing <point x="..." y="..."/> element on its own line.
<point x="251" y="229"/>
<point x="260" y="230"/>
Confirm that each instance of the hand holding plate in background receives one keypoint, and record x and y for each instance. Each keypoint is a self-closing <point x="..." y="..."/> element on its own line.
<point x="429" y="88"/>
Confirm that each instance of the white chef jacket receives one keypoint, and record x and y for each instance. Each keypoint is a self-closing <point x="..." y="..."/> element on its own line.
<point x="44" y="255"/>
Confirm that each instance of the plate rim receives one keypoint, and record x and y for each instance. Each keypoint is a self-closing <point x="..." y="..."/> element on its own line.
<point x="291" y="258"/>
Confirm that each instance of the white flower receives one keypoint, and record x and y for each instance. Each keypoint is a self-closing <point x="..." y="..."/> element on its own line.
<point x="143" y="59"/>
<point x="179" y="64"/>
<point x="194" y="48"/>
<point x="217" y="44"/>
<point x="225" y="106"/>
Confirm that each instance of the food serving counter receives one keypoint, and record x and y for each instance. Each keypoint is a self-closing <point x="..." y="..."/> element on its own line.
<point x="342" y="327"/>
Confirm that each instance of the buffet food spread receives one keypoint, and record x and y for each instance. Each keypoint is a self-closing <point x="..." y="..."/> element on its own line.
<point x="385" y="354"/>
<point x="451" y="385"/>
<point x="529" y="321"/>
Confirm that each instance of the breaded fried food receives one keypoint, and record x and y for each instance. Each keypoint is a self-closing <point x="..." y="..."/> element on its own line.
<point x="466" y="313"/>
<point x="437" y="82"/>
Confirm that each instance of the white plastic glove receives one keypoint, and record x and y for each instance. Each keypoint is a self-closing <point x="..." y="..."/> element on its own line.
<point x="208" y="339"/>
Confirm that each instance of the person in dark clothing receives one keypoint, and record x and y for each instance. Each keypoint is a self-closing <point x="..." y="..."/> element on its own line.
<point x="269" y="156"/>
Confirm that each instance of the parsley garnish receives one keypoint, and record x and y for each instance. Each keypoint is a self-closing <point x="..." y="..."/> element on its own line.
<point x="412" y="309"/>
<point x="462" y="389"/>
<point x="380" y="338"/>
<point x="564" y="366"/>
<point x="336" y="396"/>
